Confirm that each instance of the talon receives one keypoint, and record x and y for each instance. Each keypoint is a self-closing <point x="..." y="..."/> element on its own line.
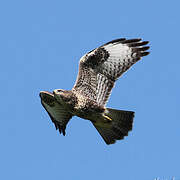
<point x="106" y="117"/>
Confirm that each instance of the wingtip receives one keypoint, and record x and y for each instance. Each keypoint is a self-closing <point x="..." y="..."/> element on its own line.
<point x="145" y="42"/>
<point x="128" y="41"/>
<point x="119" y="40"/>
<point x="64" y="132"/>
<point x="41" y="94"/>
<point x="145" y="53"/>
<point x="110" y="142"/>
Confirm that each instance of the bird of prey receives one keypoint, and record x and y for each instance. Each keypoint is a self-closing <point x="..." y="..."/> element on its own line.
<point x="98" y="71"/>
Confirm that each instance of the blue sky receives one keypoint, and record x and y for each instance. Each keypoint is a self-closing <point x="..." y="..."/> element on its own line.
<point x="40" y="46"/>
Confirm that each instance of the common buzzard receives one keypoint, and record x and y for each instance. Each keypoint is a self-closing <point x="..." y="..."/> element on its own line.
<point x="98" y="71"/>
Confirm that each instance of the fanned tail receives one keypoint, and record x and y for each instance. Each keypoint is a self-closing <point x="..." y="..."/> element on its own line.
<point x="121" y="124"/>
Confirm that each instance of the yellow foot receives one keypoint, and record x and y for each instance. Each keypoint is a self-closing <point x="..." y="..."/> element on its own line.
<point x="106" y="117"/>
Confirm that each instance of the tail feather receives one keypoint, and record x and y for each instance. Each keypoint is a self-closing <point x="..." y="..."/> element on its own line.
<point x="122" y="120"/>
<point x="121" y="124"/>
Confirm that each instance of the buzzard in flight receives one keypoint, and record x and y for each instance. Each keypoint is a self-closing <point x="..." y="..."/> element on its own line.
<point x="98" y="71"/>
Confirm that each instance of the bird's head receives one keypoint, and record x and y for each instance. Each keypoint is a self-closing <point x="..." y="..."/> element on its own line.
<point x="62" y="96"/>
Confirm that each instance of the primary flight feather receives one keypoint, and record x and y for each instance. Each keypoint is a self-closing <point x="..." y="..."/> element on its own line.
<point x="98" y="71"/>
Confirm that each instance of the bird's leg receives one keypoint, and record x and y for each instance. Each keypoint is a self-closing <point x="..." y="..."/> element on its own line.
<point x="107" y="117"/>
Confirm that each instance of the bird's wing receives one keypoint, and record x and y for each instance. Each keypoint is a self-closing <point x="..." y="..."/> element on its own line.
<point x="101" y="67"/>
<point x="58" y="114"/>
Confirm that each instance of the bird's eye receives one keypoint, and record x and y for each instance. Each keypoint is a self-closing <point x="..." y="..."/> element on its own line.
<point x="59" y="90"/>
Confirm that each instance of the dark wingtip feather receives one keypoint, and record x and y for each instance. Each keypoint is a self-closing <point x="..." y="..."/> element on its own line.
<point x="144" y="53"/>
<point x="141" y="43"/>
<point x="64" y="132"/>
<point x="62" y="129"/>
<point x="144" y="48"/>
<point x="145" y="42"/>
<point x="136" y="42"/>
<point x="139" y="47"/>
<point x="131" y="41"/>
<point x="59" y="130"/>
<point x="55" y="125"/>
<point x="115" y="41"/>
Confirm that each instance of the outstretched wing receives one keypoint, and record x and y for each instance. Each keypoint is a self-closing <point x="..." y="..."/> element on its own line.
<point x="59" y="116"/>
<point x="101" y="67"/>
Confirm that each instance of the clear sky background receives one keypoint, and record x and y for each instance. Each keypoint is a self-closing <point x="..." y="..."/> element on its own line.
<point x="40" y="45"/>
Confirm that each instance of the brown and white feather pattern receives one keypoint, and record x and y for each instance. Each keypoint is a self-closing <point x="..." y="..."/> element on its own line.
<point x="86" y="82"/>
<point x="100" y="68"/>
<point x="103" y="90"/>
<point x="122" y="55"/>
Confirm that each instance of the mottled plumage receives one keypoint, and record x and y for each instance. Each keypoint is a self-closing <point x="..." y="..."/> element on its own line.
<point x="98" y="71"/>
